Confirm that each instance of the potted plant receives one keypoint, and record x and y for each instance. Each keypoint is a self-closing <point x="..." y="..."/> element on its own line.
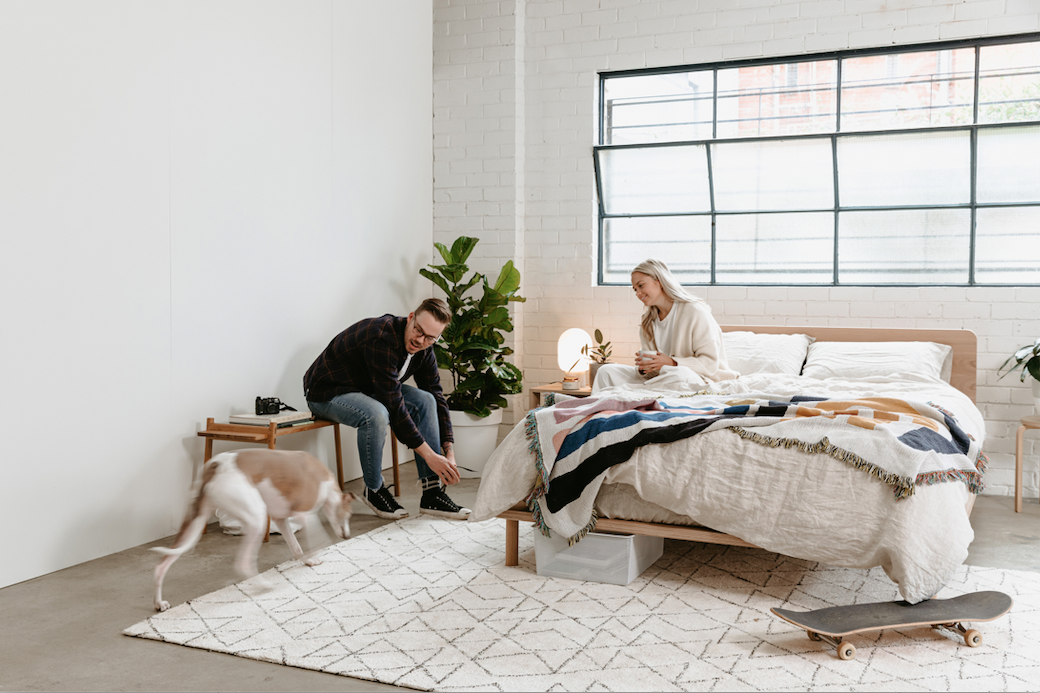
<point x="597" y="355"/>
<point x="1028" y="359"/>
<point x="472" y="348"/>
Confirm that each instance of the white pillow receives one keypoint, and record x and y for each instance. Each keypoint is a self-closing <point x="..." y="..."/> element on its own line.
<point x="752" y="352"/>
<point x="867" y="359"/>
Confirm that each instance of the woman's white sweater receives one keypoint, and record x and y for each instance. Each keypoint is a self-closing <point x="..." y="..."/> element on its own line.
<point x="696" y="341"/>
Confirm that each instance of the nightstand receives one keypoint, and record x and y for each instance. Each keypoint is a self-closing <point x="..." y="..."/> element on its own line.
<point x="537" y="392"/>
<point x="1027" y="423"/>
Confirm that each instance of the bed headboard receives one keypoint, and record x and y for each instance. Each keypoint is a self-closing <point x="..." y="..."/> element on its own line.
<point x="964" y="343"/>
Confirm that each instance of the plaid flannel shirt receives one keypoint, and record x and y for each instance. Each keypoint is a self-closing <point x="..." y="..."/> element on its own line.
<point x="367" y="357"/>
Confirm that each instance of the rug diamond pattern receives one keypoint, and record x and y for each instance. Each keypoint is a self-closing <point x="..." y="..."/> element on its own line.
<point x="427" y="604"/>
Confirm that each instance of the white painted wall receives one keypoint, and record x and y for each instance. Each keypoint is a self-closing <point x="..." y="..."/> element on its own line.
<point x="546" y="55"/>
<point x="195" y="197"/>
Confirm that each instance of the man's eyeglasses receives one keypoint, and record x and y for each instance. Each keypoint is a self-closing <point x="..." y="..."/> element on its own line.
<point x="427" y="339"/>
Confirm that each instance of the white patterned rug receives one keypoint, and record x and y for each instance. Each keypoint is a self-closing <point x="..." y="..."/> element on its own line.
<point x="428" y="604"/>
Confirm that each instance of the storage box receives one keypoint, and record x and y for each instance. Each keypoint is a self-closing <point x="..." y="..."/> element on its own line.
<point x="600" y="557"/>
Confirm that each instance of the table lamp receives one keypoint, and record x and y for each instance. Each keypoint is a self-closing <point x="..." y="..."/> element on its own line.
<point x="569" y="357"/>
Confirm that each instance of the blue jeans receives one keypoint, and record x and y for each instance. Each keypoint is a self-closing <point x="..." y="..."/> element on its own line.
<point x="371" y="419"/>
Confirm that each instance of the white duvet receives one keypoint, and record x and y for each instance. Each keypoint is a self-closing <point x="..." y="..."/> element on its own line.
<point x="808" y="506"/>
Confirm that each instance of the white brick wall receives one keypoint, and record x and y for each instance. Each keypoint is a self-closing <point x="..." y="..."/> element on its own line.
<point x="515" y="120"/>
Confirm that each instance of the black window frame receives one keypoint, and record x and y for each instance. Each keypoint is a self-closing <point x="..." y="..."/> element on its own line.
<point x="973" y="129"/>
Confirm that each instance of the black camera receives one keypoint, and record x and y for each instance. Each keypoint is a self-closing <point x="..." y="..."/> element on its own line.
<point x="270" y="405"/>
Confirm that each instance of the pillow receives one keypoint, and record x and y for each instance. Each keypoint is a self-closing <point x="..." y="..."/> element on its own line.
<point x="867" y="359"/>
<point x="752" y="352"/>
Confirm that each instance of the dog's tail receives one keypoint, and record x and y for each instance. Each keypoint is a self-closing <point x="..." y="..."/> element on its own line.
<point x="194" y="520"/>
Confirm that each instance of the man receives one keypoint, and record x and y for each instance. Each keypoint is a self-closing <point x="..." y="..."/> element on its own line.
<point x="359" y="381"/>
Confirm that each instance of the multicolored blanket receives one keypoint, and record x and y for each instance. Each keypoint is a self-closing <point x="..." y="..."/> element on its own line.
<point x="903" y="443"/>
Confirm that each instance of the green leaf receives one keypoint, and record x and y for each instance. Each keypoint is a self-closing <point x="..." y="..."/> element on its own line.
<point x="462" y="247"/>
<point x="453" y="272"/>
<point x="1033" y="366"/>
<point x="473" y="382"/>
<point x="508" y="279"/>
<point x="599" y="336"/>
<point x="498" y="317"/>
<point x="449" y="258"/>
<point x="436" y="279"/>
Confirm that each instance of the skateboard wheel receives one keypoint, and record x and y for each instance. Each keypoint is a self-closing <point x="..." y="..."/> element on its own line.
<point x="973" y="638"/>
<point x="815" y="636"/>
<point x="846" y="651"/>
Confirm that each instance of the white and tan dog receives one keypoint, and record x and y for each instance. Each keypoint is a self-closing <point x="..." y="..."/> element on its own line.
<point x="252" y="485"/>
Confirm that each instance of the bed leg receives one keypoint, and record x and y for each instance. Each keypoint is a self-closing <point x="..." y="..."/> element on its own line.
<point x="512" y="542"/>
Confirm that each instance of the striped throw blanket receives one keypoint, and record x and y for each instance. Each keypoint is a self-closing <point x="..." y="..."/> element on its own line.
<point x="903" y="443"/>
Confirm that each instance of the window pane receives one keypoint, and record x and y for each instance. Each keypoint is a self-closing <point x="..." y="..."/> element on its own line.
<point x="683" y="243"/>
<point x="906" y="90"/>
<point x="894" y="170"/>
<point x="1007" y="245"/>
<point x="1009" y="165"/>
<point x="785" y="99"/>
<point x="658" y="108"/>
<point x="775" y="248"/>
<point x="658" y="180"/>
<point x="917" y="246"/>
<point x="1009" y="83"/>
<point x="777" y="175"/>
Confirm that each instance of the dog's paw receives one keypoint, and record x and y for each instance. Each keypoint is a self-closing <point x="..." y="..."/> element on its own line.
<point x="162" y="606"/>
<point x="312" y="561"/>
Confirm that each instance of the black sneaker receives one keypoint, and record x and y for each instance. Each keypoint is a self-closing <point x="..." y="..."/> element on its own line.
<point x="383" y="504"/>
<point x="436" y="502"/>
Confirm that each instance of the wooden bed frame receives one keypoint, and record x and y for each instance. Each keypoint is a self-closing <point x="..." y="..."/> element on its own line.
<point x="963" y="376"/>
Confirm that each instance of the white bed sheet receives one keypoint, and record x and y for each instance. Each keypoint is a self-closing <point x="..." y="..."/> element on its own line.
<point x="808" y="506"/>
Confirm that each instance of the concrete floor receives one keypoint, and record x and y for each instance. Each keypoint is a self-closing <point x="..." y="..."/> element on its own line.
<point x="62" y="632"/>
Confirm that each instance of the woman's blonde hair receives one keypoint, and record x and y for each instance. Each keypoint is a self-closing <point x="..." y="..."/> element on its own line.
<point x="656" y="269"/>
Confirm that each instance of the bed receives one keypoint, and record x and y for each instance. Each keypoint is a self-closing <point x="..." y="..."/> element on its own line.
<point x="748" y="490"/>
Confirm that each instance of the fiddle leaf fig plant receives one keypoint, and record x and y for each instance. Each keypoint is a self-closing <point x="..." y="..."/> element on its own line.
<point x="1027" y="358"/>
<point x="471" y="347"/>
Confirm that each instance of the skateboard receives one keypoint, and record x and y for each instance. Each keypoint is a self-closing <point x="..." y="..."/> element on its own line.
<point x="834" y="623"/>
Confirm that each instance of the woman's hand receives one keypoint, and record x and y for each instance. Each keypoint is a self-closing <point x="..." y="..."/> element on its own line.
<point x="652" y="364"/>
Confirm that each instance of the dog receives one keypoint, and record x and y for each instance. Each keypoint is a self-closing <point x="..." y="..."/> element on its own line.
<point x="253" y="485"/>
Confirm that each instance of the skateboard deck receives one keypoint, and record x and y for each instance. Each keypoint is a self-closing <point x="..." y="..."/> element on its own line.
<point x="835" y="622"/>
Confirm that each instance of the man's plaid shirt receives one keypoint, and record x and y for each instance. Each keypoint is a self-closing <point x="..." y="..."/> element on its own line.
<point x="367" y="357"/>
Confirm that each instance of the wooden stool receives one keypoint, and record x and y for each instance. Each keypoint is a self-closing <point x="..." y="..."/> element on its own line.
<point x="1027" y="422"/>
<point x="397" y="471"/>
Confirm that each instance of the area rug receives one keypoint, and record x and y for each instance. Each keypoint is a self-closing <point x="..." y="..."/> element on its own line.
<point x="427" y="604"/>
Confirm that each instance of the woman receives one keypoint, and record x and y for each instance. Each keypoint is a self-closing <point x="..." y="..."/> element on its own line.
<point x="680" y="341"/>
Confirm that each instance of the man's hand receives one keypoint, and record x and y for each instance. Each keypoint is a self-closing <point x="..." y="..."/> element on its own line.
<point x="443" y="467"/>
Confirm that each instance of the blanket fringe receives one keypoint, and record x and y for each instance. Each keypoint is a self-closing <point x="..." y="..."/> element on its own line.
<point x="571" y="541"/>
<point x="541" y="483"/>
<point x="901" y="487"/>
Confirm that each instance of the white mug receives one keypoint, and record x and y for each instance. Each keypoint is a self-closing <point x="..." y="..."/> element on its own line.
<point x="645" y="353"/>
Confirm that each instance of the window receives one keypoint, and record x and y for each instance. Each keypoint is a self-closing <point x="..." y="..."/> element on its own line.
<point x="913" y="166"/>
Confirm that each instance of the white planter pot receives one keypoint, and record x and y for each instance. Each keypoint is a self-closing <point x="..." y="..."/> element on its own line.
<point x="475" y="440"/>
<point x="1036" y="397"/>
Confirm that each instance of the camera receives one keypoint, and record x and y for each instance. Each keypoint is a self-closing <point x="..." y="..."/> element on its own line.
<point x="269" y="405"/>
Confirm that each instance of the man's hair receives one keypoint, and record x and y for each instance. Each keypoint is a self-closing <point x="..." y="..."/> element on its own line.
<point x="437" y="308"/>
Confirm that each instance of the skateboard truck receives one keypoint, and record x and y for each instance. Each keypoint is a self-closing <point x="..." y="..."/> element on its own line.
<point x="833" y="623"/>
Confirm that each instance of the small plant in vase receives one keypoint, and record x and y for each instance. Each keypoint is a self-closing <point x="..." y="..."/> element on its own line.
<point x="597" y="355"/>
<point x="1028" y="360"/>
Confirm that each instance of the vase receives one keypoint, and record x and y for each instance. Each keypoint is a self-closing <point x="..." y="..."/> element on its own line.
<point x="475" y="439"/>
<point x="593" y="369"/>
<point x="1036" y="397"/>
